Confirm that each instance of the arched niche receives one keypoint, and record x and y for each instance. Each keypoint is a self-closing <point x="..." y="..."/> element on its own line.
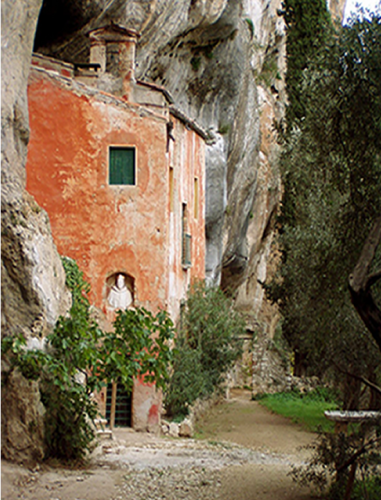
<point x="119" y="291"/>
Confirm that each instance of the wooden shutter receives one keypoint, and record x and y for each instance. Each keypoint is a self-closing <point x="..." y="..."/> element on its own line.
<point x="122" y="166"/>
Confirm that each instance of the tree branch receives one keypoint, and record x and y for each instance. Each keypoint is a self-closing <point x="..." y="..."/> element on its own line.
<point x="359" y="277"/>
<point x="360" y="283"/>
<point x="373" y="278"/>
<point x="359" y="377"/>
<point x="364" y="448"/>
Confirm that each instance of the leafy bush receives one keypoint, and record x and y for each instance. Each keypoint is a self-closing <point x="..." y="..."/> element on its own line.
<point x="138" y="345"/>
<point x="335" y="460"/>
<point x="187" y="382"/>
<point x="207" y="346"/>
<point x="81" y="359"/>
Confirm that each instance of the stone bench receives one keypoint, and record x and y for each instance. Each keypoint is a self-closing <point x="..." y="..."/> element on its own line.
<point x="343" y="418"/>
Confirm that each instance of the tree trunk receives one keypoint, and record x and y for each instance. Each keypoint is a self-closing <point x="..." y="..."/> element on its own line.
<point x="360" y="283"/>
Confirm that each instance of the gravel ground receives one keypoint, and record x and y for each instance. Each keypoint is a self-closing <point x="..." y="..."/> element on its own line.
<point x="247" y="454"/>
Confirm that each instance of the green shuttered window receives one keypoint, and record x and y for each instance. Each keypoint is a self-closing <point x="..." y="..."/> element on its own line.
<point x="122" y="166"/>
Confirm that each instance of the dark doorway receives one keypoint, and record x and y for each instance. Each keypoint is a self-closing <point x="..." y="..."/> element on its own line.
<point x="123" y="406"/>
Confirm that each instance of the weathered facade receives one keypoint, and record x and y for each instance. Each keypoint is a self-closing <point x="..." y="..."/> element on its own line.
<point x="120" y="172"/>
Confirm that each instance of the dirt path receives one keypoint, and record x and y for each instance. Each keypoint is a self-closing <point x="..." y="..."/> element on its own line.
<point x="247" y="423"/>
<point x="244" y="453"/>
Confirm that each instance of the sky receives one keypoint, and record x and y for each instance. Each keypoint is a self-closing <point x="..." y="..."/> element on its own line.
<point x="350" y="5"/>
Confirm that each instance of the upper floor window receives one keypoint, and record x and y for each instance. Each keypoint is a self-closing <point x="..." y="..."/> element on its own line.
<point x="195" y="198"/>
<point x="186" y="257"/>
<point x="122" y="165"/>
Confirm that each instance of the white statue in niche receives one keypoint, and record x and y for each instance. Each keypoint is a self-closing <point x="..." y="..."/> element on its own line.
<point x="120" y="296"/>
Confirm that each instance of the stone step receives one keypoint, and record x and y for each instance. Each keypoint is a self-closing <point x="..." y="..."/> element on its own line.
<point x="102" y="422"/>
<point x="104" y="433"/>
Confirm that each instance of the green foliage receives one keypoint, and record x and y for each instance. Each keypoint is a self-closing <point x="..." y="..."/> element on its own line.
<point x="250" y="25"/>
<point x="306" y="409"/>
<point x="81" y="359"/>
<point x="139" y="345"/>
<point x="270" y="70"/>
<point x="224" y="128"/>
<point x="369" y="488"/>
<point x="188" y="381"/>
<point x="331" y="170"/>
<point x="207" y="346"/>
<point x="308" y="28"/>
<point x="332" y="458"/>
<point x="67" y="378"/>
<point x="196" y="63"/>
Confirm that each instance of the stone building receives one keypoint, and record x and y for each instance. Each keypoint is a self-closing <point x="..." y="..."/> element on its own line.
<point x="120" y="171"/>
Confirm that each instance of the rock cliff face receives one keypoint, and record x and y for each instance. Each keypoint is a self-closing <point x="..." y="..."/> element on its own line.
<point x="33" y="282"/>
<point x="223" y="61"/>
<point x="336" y="8"/>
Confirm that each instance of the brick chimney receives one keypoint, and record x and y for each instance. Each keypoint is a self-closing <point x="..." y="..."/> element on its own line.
<point x="113" y="47"/>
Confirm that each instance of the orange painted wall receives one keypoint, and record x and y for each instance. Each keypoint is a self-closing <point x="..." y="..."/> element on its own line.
<point x="131" y="229"/>
<point x="110" y="229"/>
<point x="187" y="159"/>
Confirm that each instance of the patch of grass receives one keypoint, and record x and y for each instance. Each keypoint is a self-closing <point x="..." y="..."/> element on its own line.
<point x="305" y="409"/>
<point x="270" y="70"/>
<point x="198" y="435"/>
<point x="212" y="442"/>
<point x="178" y="419"/>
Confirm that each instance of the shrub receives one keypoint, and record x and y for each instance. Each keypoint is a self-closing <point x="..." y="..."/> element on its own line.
<point x="207" y="346"/>
<point x="81" y="359"/>
<point x="187" y="382"/>
<point x="335" y="460"/>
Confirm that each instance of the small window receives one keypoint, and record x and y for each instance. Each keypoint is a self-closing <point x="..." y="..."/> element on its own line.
<point x="122" y="166"/>
<point x="186" y="259"/>
<point x="171" y="189"/>
<point x="112" y="58"/>
<point x="195" y="198"/>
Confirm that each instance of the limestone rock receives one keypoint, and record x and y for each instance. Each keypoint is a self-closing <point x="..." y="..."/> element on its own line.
<point x="33" y="297"/>
<point x="21" y="420"/>
<point x="336" y="8"/>
<point x="164" y="427"/>
<point x="186" y="428"/>
<point x="33" y="282"/>
<point x="173" y="429"/>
